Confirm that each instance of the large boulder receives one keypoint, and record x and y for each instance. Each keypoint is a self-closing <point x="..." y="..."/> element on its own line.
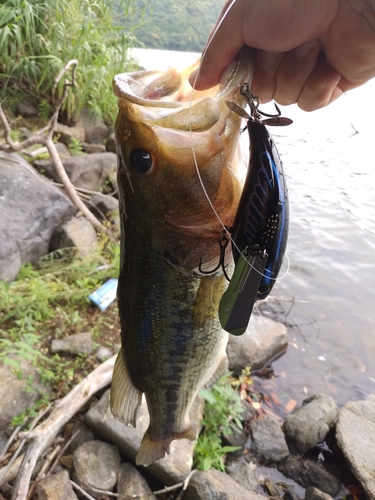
<point x="31" y="210"/>
<point x="355" y="432"/>
<point x="263" y="341"/>
<point x="85" y="171"/>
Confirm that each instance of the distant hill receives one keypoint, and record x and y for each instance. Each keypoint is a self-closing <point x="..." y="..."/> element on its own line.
<point x="172" y="24"/>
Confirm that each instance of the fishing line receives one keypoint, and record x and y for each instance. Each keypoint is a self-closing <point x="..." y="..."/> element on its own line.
<point x="225" y="228"/>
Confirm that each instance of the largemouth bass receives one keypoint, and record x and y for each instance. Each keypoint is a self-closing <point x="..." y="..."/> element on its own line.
<point x="170" y="144"/>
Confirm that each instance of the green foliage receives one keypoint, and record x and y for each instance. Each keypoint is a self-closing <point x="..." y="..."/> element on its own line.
<point x="45" y="302"/>
<point x="173" y="24"/>
<point x="222" y="416"/>
<point x="38" y="37"/>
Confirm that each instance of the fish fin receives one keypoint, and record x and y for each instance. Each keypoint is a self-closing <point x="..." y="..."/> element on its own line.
<point x="153" y="449"/>
<point x="221" y="370"/>
<point x="125" y="398"/>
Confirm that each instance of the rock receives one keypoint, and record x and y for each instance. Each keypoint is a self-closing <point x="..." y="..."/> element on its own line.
<point x="355" y="433"/>
<point x="56" y="487"/>
<point x="26" y="109"/>
<point x="67" y="134"/>
<point x="3" y="441"/>
<point x="96" y="465"/>
<point x="237" y="438"/>
<point x="216" y="485"/>
<point x="290" y="494"/>
<point x="269" y="440"/>
<point x="262" y="342"/>
<point x="107" y="206"/>
<point x="309" y="425"/>
<point x="110" y="144"/>
<point x="85" y="434"/>
<point x="308" y="473"/>
<point x="31" y="210"/>
<point x="103" y="353"/>
<point x="77" y="232"/>
<point x="81" y="343"/>
<point x="169" y="470"/>
<point x="93" y="148"/>
<point x="131" y="482"/>
<point x="243" y="473"/>
<point x="315" y="494"/>
<point x="95" y="130"/>
<point x="86" y="171"/>
<point x="14" y="394"/>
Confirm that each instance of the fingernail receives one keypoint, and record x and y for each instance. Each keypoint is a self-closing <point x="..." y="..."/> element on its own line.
<point x="305" y="49"/>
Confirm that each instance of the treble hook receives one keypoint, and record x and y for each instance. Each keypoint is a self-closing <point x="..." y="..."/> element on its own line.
<point x="254" y="101"/>
<point x="223" y="242"/>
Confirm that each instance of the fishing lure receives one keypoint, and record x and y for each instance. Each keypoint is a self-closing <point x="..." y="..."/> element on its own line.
<point x="260" y="228"/>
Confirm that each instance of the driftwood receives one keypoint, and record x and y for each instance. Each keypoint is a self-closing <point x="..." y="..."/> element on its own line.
<point x="44" y="136"/>
<point x="44" y="434"/>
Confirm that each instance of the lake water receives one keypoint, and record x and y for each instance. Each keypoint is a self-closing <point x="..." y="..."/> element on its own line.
<point x="327" y="298"/>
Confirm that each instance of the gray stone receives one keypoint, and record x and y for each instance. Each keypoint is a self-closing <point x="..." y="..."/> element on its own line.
<point x="95" y="130"/>
<point x="131" y="482"/>
<point x="309" y="425"/>
<point x="269" y="440"/>
<point x="14" y="394"/>
<point x="237" y="438"/>
<point x="85" y="171"/>
<point x="26" y="109"/>
<point x="81" y="343"/>
<point x="105" y="207"/>
<point x="69" y="133"/>
<point x="84" y="435"/>
<point x="103" y="353"/>
<point x="263" y="341"/>
<point x="216" y="485"/>
<point x="243" y="473"/>
<point x="110" y="144"/>
<point x="56" y="487"/>
<point x="96" y="465"/>
<point x="169" y="470"/>
<point x="355" y="432"/>
<point x="291" y="494"/>
<point x="93" y="148"/>
<point x="308" y="473"/>
<point x="3" y="441"/>
<point x="31" y="210"/>
<point x="77" y="232"/>
<point x="316" y="494"/>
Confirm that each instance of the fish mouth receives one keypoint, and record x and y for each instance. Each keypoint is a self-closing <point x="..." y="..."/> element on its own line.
<point x="166" y="99"/>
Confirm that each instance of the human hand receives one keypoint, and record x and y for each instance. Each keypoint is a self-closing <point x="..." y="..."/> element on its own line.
<point x="308" y="51"/>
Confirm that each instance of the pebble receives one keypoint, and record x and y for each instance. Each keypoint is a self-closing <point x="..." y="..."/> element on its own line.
<point x="103" y="353"/>
<point x="56" y="487"/>
<point x="81" y="343"/>
<point x="131" y="482"/>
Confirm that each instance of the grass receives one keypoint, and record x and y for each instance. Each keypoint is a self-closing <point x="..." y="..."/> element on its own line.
<point x="222" y="416"/>
<point x="37" y="39"/>
<point x="50" y="301"/>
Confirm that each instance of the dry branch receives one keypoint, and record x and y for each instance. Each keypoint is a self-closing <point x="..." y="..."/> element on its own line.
<point x="44" y="136"/>
<point x="43" y="435"/>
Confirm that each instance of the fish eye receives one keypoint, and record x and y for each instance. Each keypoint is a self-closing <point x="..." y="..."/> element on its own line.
<point x="141" y="161"/>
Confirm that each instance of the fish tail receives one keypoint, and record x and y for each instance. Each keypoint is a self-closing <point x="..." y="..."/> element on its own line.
<point x="153" y="449"/>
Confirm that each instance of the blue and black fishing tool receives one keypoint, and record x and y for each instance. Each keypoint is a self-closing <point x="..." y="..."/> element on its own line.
<point x="260" y="228"/>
